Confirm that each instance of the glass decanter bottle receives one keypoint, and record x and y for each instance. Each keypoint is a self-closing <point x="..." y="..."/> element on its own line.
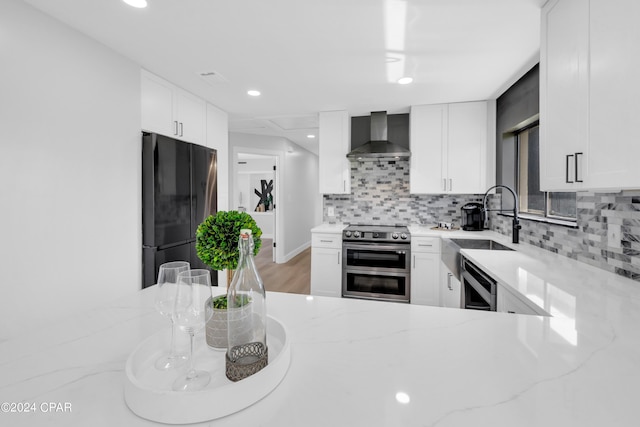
<point x="247" y="316"/>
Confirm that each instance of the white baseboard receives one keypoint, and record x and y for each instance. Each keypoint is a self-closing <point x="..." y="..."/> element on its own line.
<point x="296" y="251"/>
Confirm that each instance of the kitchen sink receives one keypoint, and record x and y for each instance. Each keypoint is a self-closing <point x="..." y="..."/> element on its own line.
<point x="451" y="250"/>
<point x="491" y="245"/>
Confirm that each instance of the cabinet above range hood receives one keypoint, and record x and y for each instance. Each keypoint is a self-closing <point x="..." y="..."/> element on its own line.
<point x="379" y="148"/>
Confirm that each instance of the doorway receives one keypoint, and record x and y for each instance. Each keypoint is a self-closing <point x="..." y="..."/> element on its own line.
<point x="255" y="191"/>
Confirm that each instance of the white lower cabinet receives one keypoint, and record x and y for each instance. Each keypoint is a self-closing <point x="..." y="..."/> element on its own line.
<point x="450" y="291"/>
<point x="425" y="270"/>
<point x="326" y="264"/>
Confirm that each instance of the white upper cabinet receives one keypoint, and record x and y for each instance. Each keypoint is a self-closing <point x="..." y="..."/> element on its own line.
<point x="191" y="116"/>
<point x="590" y="95"/>
<point x="452" y="148"/>
<point x="427" y="136"/>
<point x="171" y="111"/>
<point x="157" y="105"/>
<point x="467" y="148"/>
<point x="334" y="144"/>
<point x="614" y="94"/>
<point x="564" y="94"/>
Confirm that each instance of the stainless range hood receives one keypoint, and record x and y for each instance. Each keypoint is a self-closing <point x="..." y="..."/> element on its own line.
<point x="379" y="148"/>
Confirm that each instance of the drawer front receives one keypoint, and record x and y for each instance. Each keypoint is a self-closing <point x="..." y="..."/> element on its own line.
<point x="425" y="244"/>
<point x="324" y="240"/>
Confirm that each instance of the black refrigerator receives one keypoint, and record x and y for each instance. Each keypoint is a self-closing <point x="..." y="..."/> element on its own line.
<point x="179" y="190"/>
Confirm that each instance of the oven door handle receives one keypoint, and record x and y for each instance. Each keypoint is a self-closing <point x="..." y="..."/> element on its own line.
<point x="377" y="246"/>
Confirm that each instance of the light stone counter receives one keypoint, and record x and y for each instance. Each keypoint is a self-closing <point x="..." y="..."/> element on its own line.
<point x="329" y="228"/>
<point x="365" y="363"/>
<point x="427" y="230"/>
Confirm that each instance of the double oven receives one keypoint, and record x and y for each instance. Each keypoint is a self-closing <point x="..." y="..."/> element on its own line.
<point x="376" y="263"/>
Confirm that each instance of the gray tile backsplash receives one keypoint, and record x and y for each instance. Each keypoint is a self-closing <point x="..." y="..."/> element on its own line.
<point x="608" y="224"/>
<point x="607" y="234"/>
<point x="380" y="195"/>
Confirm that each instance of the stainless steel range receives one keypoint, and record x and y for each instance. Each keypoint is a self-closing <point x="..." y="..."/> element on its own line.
<point x="376" y="262"/>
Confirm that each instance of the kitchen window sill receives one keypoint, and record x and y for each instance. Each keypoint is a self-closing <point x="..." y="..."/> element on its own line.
<point x="546" y="220"/>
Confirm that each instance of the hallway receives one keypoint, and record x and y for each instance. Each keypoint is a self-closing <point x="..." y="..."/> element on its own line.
<point x="292" y="277"/>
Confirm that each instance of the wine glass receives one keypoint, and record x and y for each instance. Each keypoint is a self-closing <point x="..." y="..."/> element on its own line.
<point x="165" y="304"/>
<point x="194" y="289"/>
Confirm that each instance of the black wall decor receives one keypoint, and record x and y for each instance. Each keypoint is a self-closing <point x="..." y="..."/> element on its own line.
<point x="266" y="198"/>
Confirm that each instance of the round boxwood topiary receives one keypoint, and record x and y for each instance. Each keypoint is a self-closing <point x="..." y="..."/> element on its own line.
<point x="217" y="238"/>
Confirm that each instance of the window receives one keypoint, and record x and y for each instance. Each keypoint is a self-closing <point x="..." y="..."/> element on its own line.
<point x="561" y="206"/>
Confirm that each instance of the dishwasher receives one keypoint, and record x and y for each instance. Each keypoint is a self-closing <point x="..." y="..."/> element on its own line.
<point x="479" y="289"/>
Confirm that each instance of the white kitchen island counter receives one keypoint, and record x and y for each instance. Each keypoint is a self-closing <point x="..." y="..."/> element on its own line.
<point x="357" y="363"/>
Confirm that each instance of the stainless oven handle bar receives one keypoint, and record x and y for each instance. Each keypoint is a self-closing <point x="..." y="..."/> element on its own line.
<point x="377" y="246"/>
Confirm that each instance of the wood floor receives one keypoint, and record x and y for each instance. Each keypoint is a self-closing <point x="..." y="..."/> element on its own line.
<point x="292" y="277"/>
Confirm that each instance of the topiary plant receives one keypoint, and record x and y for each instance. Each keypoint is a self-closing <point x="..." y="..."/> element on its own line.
<point x="217" y="238"/>
<point x="220" y="302"/>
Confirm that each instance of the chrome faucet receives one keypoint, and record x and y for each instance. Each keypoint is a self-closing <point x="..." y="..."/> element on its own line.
<point x="515" y="227"/>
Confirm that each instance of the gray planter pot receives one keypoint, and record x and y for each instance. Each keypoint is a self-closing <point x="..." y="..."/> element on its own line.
<point x="218" y="325"/>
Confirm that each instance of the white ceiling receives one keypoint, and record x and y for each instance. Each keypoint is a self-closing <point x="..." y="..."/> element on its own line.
<point x="309" y="56"/>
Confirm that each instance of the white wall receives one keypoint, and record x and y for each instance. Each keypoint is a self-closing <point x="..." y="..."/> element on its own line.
<point x="70" y="158"/>
<point x="298" y="200"/>
<point x="218" y="138"/>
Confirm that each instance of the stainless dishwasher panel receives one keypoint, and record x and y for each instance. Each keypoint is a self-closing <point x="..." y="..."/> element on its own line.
<point x="479" y="289"/>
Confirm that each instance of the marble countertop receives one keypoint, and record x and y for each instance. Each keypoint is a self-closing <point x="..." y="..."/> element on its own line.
<point x="362" y="363"/>
<point x="329" y="228"/>
<point x="428" y="230"/>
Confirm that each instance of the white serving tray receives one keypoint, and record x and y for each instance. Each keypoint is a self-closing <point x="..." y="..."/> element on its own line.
<point x="148" y="392"/>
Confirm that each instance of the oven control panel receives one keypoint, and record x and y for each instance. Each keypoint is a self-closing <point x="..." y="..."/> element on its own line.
<point x="376" y="234"/>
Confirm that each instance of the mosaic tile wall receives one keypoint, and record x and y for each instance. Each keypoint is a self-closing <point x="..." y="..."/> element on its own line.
<point x="607" y="234"/>
<point x="380" y="195"/>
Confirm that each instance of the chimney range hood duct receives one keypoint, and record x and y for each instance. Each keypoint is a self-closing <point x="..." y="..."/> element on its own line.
<point x="379" y="148"/>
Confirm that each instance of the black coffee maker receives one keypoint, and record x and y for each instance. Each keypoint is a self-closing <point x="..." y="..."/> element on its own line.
<point x="472" y="217"/>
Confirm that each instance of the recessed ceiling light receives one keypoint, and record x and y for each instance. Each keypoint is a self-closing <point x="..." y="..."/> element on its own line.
<point x="310" y="136"/>
<point x="136" y="3"/>
<point x="253" y="92"/>
<point x="405" y="80"/>
<point x="403" y="397"/>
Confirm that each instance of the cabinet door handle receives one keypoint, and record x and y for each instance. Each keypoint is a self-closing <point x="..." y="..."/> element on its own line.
<point x="567" y="169"/>
<point x="414" y="261"/>
<point x="424" y="244"/>
<point x="181" y="133"/>
<point x="450" y="184"/>
<point x="444" y="184"/>
<point x="175" y="127"/>
<point x="449" y="281"/>
<point x="576" y="166"/>
<point x="511" y="312"/>
<point x="339" y="257"/>
<point x="326" y="241"/>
